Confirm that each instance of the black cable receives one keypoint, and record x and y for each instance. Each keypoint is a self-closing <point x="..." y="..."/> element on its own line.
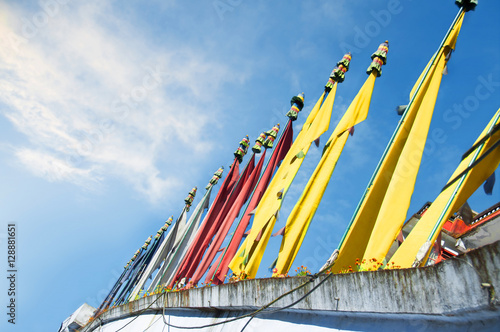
<point x="481" y="141"/>
<point x="252" y="314"/>
<point x="261" y="309"/>
<point x="246" y="324"/>
<point x="474" y="164"/>
<point x="137" y="316"/>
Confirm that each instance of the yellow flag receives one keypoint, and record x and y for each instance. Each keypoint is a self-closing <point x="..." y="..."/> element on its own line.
<point x="250" y="253"/>
<point x="395" y="206"/>
<point x="392" y="212"/>
<point x="383" y="207"/>
<point x="305" y="208"/>
<point x="449" y="200"/>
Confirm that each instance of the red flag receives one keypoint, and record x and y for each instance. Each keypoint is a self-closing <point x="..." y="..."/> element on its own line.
<point x="437" y="245"/>
<point x="217" y="224"/>
<point x="278" y="154"/>
<point x="400" y="237"/>
<point x="213" y="268"/>
<point x="280" y="232"/>
<point x="214" y="226"/>
<point x="202" y="232"/>
<point x="227" y="220"/>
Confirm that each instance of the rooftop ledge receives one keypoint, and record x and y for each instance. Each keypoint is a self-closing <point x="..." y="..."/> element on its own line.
<point x="463" y="286"/>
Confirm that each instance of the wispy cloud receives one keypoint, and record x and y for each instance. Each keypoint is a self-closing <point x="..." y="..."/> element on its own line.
<point x="97" y="98"/>
<point x="54" y="169"/>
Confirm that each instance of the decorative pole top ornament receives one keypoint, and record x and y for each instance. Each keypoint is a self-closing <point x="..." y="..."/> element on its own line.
<point x="190" y="197"/>
<point x="379" y="58"/>
<point x="242" y="149"/>
<point x="215" y="178"/>
<point x="338" y="73"/>
<point x="467" y="4"/>
<point x="297" y="103"/>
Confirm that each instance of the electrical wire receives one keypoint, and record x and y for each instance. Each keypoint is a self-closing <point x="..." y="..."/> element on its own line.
<point x="261" y="309"/>
<point x="140" y="313"/>
<point x="251" y="314"/>
<point x="471" y="166"/>
<point x="147" y="328"/>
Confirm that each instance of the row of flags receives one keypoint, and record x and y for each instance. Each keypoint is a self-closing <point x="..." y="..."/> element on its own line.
<point x="192" y="249"/>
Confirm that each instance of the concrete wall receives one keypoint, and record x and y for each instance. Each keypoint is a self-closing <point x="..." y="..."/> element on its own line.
<point x="448" y="295"/>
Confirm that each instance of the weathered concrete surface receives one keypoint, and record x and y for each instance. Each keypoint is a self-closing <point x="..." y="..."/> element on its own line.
<point x="450" y="293"/>
<point x="484" y="235"/>
<point x="300" y="321"/>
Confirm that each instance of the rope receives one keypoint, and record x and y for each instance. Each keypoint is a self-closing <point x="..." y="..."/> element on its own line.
<point x="147" y="328"/>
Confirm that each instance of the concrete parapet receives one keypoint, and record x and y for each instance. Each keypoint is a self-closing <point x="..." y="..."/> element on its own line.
<point x="460" y="290"/>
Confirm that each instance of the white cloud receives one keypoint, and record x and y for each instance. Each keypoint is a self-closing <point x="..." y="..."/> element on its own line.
<point x="55" y="169"/>
<point x="96" y="98"/>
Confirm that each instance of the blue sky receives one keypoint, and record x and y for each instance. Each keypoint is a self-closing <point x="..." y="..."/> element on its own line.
<point x="112" y="111"/>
